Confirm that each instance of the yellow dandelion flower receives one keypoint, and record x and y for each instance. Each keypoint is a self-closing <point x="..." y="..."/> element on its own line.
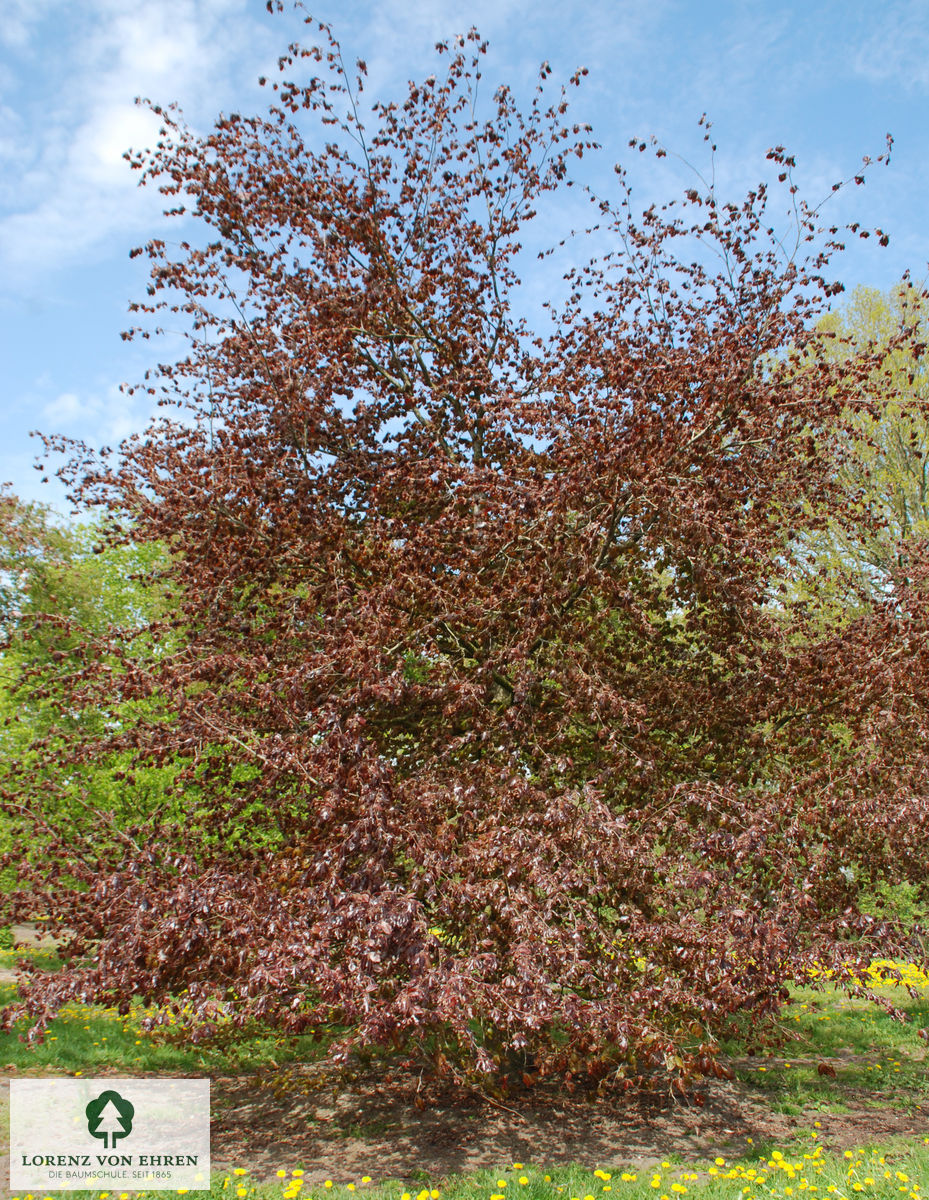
<point x="367" y="1179"/>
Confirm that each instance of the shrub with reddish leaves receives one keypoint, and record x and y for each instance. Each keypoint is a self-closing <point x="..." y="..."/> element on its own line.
<point x="498" y="731"/>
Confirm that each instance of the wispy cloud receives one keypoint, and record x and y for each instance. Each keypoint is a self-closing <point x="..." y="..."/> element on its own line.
<point x="73" y="189"/>
<point x="896" y="48"/>
<point x="108" y="415"/>
<point x="20" y="18"/>
<point x="68" y="190"/>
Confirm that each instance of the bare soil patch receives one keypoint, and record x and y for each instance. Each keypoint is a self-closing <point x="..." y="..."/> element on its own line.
<point x="268" y="1123"/>
<point x="292" y="1117"/>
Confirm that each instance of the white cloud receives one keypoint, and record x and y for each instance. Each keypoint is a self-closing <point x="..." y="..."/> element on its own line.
<point x="105" y="417"/>
<point x="11" y="134"/>
<point x="103" y="141"/>
<point x="74" y="194"/>
<point x="68" y="408"/>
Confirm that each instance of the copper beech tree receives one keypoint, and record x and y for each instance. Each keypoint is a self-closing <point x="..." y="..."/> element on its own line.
<point x="499" y="735"/>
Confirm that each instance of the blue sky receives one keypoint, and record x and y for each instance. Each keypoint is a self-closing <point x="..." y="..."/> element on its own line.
<point x="827" y="80"/>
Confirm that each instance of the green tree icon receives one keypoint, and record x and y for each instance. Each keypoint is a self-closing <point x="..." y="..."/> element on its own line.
<point x="109" y="1116"/>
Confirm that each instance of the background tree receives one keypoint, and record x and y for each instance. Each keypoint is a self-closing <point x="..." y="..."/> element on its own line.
<point x="65" y="597"/>
<point x="863" y="552"/>
<point x="491" y="623"/>
<point x="886" y="473"/>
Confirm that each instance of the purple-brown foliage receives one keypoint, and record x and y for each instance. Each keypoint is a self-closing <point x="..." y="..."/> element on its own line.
<point x="500" y="732"/>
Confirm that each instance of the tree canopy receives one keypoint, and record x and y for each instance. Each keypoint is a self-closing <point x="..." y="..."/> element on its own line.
<point x="65" y="598"/>
<point x="886" y="473"/>
<point x="500" y="730"/>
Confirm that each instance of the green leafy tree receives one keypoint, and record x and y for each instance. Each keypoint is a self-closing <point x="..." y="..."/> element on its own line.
<point x="61" y="588"/>
<point x="863" y="553"/>
<point x="884" y="467"/>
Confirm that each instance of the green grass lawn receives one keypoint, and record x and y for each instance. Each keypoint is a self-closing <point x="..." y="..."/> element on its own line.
<point x="86" y="1038"/>
<point x="877" y="1059"/>
<point x="83" y="1039"/>
<point x="896" y="1171"/>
